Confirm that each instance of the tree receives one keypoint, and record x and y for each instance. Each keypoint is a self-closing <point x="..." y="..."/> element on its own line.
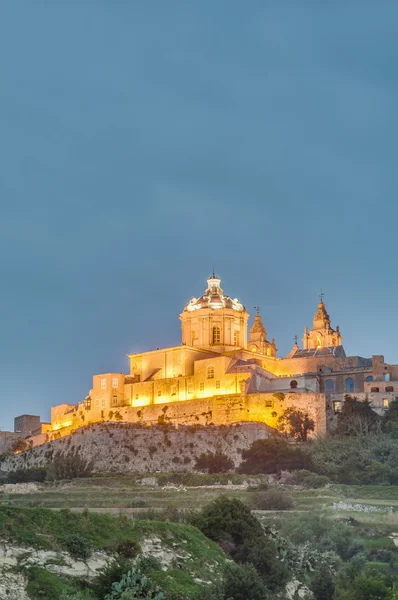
<point x="19" y="445"/>
<point x="273" y="455"/>
<point x="214" y="463"/>
<point x="323" y="584"/>
<point x="357" y="418"/>
<point x="242" y="582"/>
<point x="296" y="423"/>
<point x="390" y="419"/>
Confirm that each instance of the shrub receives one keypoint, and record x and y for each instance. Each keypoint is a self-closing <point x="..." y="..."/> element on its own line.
<point x="77" y="546"/>
<point x="357" y="418"/>
<point x="128" y="548"/>
<point x="134" y="584"/>
<point x="273" y="455"/>
<point x="214" y="463"/>
<point x="272" y="499"/>
<point x="227" y="519"/>
<point x="69" y="466"/>
<point x="113" y="571"/>
<point x="27" y="475"/>
<point x="242" y="582"/>
<point x="296" y="424"/>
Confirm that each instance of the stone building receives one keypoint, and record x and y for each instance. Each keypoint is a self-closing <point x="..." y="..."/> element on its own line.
<point x="220" y="375"/>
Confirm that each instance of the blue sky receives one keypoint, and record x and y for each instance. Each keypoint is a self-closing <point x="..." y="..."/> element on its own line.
<point x="143" y="143"/>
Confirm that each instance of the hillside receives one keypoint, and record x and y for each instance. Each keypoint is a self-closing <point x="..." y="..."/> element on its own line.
<point x="39" y="554"/>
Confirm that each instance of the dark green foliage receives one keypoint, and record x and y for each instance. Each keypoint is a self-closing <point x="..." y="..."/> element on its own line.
<point x="272" y="499"/>
<point x="77" y="546"/>
<point x="128" y="548"/>
<point x="69" y="466"/>
<point x="214" y="463"/>
<point x="369" y="584"/>
<point x="390" y="419"/>
<point x="307" y="479"/>
<point x="322" y="585"/>
<point x="227" y="519"/>
<point x="111" y="573"/>
<point x="24" y="475"/>
<point x="43" y="585"/>
<point x="273" y="455"/>
<point x="242" y="582"/>
<point x="134" y="584"/>
<point x="357" y="418"/>
<point x="230" y="523"/>
<point x="296" y="423"/>
<point x="261" y="553"/>
<point x="316" y="530"/>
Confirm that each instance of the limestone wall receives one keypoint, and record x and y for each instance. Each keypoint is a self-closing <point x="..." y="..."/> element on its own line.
<point x="126" y="447"/>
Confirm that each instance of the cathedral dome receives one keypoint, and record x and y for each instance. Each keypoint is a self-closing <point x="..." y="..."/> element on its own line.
<point x="214" y="298"/>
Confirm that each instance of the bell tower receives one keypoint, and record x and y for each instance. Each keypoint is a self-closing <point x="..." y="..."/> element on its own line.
<point x="258" y="337"/>
<point x="321" y="335"/>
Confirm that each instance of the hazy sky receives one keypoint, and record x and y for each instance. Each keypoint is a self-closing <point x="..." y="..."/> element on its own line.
<point x="143" y="143"/>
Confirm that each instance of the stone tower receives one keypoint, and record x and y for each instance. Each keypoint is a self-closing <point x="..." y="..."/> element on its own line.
<point x="321" y="335"/>
<point x="214" y="321"/>
<point x="258" y="338"/>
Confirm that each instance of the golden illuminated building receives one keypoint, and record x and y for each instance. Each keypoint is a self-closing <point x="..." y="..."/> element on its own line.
<point x="219" y="375"/>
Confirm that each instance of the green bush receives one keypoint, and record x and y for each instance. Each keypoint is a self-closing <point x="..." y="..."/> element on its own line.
<point x="214" y="463"/>
<point x="227" y="519"/>
<point x="114" y="571"/>
<point x="77" y="546"/>
<point x="135" y="584"/>
<point x="273" y="455"/>
<point x="128" y="548"/>
<point x="69" y="466"/>
<point x="242" y="582"/>
<point x="272" y="499"/>
<point x="27" y="475"/>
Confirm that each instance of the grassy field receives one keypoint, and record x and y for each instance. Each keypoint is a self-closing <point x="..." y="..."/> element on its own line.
<point x="22" y="516"/>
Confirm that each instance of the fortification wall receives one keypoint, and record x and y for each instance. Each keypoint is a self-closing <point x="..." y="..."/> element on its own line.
<point x="125" y="447"/>
<point x="217" y="410"/>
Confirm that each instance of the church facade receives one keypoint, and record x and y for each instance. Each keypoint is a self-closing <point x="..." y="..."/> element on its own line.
<point x="224" y="372"/>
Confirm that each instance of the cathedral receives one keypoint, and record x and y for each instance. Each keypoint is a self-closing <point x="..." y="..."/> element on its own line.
<point x="223" y="372"/>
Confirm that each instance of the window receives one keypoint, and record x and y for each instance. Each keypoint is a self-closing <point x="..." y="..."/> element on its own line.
<point x="389" y="388"/>
<point x="349" y="384"/>
<point x="159" y="392"/>
<point x="337" y="406"/>
<point x="190" y="389"/>
<point x="329" y="385"/>
<point x="103" y="383"/>
<point x="210" y="372"/>
<point x="386" y="376"/>
<point x="269" y="404"/>
<point x="374" y="389"/>
<point x="115" y="382"/>
<point x="385" y="402"/>
<point x="97" y="403"/>
<point x="216" y="335"/>
<point x="174" y="390"/>
<point x="87" y="404"/>
<point x="369" y="378"/>
<point x="137" y="396"/>
<point x="293" y="384"/>
<point x="236" y="338"/>
<point x="218" y="384"/>
<point x="102" y="414"/>
<point x="318" y="343"/>
<point x="114" y="400"/>
<point x="103" y="402"/>
<point x="202" y="387"/>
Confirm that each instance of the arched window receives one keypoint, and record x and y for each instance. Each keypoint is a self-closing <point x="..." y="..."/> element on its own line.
<point x="389" y="388"/>
<point x="216" y="335"/>
<point x="318" y="343"/>
<point x="349" y="384"/>
<point x="329" y="385"/>
<point x="375" y="389"/>
<point x="293" y="384"/>
<point x="210" y="372"/>
<point x="369" y="378"/>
